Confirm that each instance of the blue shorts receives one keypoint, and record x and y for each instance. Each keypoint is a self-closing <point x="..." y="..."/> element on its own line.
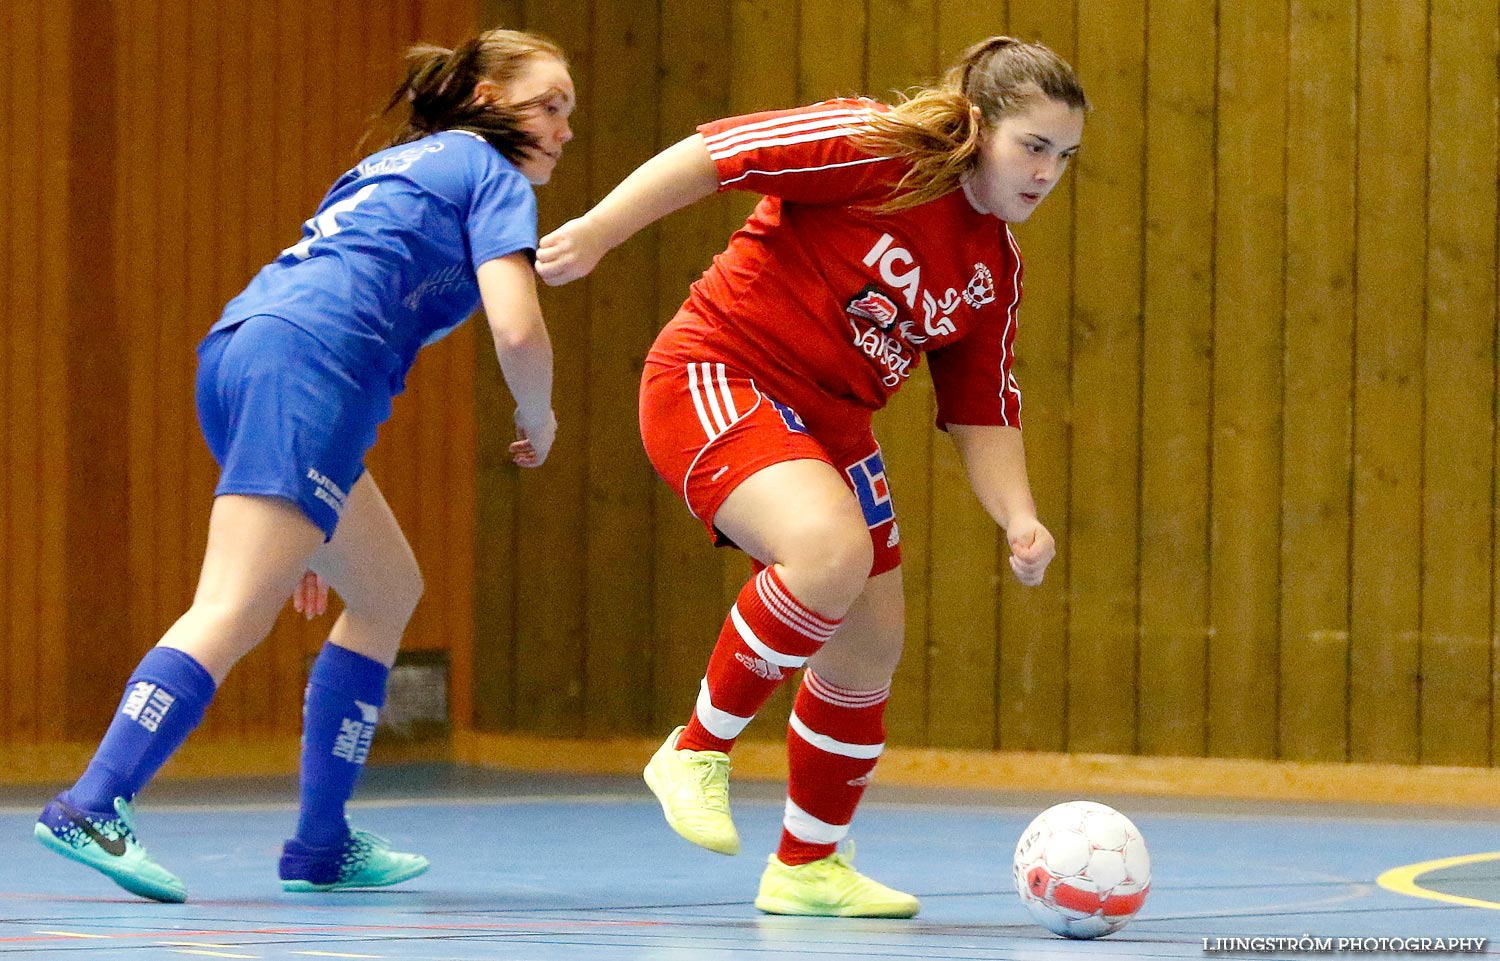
<point x="284" y="418"/>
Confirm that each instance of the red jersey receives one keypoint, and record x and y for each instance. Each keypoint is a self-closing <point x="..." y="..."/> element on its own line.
<point x="824" y="300"/>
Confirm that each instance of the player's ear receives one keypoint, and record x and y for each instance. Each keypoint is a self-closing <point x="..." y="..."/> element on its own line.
<point x="487" y="91"/>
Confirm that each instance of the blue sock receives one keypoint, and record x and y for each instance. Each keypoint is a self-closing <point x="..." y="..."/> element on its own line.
<point x="344" y="695"/>
<point x="164" y="700"/>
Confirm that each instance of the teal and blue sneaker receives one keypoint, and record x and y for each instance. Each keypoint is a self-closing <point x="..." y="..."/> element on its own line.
<point x="364" y="860"/>
<point x="108" y="844"/>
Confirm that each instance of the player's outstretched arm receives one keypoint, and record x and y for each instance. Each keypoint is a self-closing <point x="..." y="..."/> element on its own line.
<point x="995" y="460"/>
<point x="674" y="178"/>
<point x="507" y="285"/>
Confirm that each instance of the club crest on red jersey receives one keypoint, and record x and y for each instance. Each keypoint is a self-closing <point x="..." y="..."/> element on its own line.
<point x="874" y="305"/>
<point x="981" y="287"/>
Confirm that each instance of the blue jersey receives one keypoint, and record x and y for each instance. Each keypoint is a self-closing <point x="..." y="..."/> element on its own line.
<point x="387" y="264"/>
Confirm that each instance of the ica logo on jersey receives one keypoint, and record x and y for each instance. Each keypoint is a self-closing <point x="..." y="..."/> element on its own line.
<point x="899" y="268"/>
<point x="884" y="337"/>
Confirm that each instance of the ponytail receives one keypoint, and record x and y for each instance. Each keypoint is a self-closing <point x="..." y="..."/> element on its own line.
<point x="438" y="91"/>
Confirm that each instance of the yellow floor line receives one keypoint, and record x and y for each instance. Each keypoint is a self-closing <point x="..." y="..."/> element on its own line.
<point x="1403" y="880"/>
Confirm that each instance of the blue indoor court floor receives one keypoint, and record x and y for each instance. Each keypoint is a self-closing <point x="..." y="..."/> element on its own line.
<point x="528" y="867"/>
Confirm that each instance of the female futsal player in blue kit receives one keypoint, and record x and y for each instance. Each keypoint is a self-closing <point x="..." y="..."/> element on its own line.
<point x="293" y="381"/>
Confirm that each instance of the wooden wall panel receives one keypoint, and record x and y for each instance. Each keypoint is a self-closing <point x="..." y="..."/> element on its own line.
<point x="532" y="591"/>
<point x="35" y="409"/>
<point x="1317" y="402"/>
<point x="54" y="285"/>
<point x="137" y="237"/>
<point x="634" y="53"/>
<point x="964" y="614"/>
<point x="11" y="460"/>
<point x="91" y="342"/>
<point x="1033" y="681"/>
<point x="492" y="654"/>
<point x="1245" y="448"/>
<point x="1459" y="396"/>
<point x="1104" y="540"/>
<point x="23" y="120"/>
<point x="1390" y="262"/>
<point x="1176" y="381"/>
<point x="832" y="51"/>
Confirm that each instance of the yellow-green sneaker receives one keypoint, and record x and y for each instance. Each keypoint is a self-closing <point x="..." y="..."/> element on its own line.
<point x="693" y="788"/>
<point x="830" y="888"/>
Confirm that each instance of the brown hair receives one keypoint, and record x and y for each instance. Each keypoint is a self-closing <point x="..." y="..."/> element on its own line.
<point x="439" y="89"/>
<point x="936" y="128"/>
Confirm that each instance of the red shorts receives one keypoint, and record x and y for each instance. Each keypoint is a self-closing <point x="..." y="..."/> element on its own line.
<point x="707" y="427"/>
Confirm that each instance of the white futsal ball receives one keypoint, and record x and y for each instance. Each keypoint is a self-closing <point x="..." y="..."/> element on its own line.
<point x="1082" y="869"/>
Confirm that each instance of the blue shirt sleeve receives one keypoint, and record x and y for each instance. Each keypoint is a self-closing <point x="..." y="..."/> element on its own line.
<point x="502" y="214"/>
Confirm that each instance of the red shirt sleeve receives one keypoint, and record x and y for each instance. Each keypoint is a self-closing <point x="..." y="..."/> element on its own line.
<point x="972" y="378"/>
<point x="805" y="155"/>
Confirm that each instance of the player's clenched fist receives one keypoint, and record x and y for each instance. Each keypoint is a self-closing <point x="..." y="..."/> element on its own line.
<point x="569" y="252"/>
<point x="1031" y="550"/>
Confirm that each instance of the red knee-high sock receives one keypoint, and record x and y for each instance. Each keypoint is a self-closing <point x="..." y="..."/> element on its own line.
<point x="833" y="741"/>
<point x="767" y="636"/>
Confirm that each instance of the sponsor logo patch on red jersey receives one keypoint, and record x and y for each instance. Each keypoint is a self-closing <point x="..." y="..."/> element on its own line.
<point x="874" y="305"/>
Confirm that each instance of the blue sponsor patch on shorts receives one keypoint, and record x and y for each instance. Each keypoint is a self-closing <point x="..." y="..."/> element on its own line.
<point x="868" y="479"/>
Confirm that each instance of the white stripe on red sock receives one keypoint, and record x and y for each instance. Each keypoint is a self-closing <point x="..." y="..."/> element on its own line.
<point x="805" y="827"/>
<point x="829" y="745"/>
<point x="721" y="724"/>
<point x="747" y="634"/>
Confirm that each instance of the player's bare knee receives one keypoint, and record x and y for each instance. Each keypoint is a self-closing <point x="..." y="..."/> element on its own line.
<point x="217" y="633"/>
<point x="389" y="601"/>
<point x="833" y="558"/>
<point x="854" y="555"/>
<point x="407" y="592"/>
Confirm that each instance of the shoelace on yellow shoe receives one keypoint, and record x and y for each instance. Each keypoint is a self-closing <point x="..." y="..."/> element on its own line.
<point x="848" y="881"/>
<point x="713" y="778"/>
<point x="838" y="868"/>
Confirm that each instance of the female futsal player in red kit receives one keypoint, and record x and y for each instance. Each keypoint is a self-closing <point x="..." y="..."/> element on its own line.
<point x="882" y="237"/>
